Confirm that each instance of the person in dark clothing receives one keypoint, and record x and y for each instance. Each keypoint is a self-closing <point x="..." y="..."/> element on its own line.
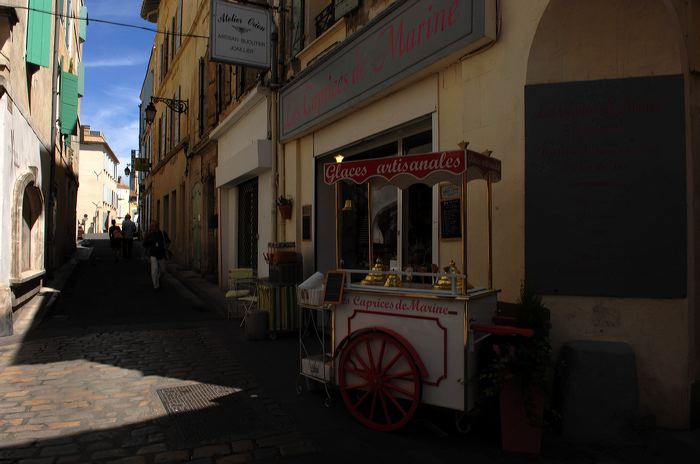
<point x="157" y="242"/>
<point x="115" y="239"/>
<point x="128" y="231"/>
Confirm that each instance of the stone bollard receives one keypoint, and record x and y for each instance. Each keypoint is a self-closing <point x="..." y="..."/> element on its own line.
<point x="5" y="311"/>
<point x="256" y="325"/>
<point x="597" y="392"/>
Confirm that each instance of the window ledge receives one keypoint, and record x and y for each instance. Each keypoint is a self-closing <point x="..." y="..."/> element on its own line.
<point x="321" y="44"/>
<point x="26" y="276"/>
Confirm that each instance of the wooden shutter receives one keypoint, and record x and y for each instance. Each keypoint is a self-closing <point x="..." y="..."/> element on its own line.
<point x="81" y="79"/>
<point x="69" y="103"/>
<point x="39" y="33"/>
<point x="83" y="23"/>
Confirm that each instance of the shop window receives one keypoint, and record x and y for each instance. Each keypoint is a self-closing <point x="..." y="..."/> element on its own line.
<point x="173" y="227"/>
<point x="202" y="87"/>
<point x="296" y="26"/>
<point x="166" y="215"/>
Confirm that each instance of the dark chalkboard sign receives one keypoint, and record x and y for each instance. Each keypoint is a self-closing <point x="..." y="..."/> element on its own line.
<point x="605" y="188"/>
<point x="335" y="281"/>
<point x="451" y="219"/>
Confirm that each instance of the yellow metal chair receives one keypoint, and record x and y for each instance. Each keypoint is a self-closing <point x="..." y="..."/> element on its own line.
<point x="242" y="285"/>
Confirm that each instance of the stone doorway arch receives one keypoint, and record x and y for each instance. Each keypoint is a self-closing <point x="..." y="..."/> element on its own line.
<point x="28" y="217"/>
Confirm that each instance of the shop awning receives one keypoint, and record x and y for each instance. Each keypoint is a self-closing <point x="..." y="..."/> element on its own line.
<point x="426" y="168"/>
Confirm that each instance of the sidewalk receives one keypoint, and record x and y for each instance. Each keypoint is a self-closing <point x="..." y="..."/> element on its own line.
<point x="644" y="446"/>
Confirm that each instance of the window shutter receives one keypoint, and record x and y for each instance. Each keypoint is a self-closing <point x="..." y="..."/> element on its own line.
<point x="69" y="103"/>
<point x="39" y="33"/>
<point x="69" y="14"/>
<point x="83" y="23"/>
<point x="81" y="79"/>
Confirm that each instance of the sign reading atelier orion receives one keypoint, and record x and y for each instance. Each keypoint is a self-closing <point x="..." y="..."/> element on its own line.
<point x="402" y="41"/>
<point x="240" y="34"/>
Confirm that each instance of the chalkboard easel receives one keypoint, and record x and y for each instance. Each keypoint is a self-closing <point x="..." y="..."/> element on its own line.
<point x="335" y="281"/>
<point x="451" y="219"/>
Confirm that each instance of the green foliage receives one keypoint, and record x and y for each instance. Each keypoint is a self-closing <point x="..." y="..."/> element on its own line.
<point x="525" y="361"/>
<point x="282" y="200"/>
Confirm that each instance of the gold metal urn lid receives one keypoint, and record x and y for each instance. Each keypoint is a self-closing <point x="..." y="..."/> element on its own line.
<point x="375" y="276"/>
<point x="393" y="281"/>
<point x="444" y="282"/>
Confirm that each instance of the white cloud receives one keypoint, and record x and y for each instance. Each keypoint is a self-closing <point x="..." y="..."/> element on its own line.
<point x="116" y="62"/>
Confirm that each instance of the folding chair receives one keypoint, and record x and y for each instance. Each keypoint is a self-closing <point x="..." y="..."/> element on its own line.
<point x="250" y="301"/>
<point x="242" y="284"/>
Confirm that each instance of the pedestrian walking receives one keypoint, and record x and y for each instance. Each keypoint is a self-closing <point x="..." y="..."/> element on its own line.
<point x="157" y="242"/>
<point x="115" y="239"/>
<point x="128" y="232"/>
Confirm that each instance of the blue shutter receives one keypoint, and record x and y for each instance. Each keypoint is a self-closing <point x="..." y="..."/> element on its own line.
<point x="83" y="23"/>
<point x="39" y="33"/>
<point x="81" y="79"/>
<point x="69" y="103"/>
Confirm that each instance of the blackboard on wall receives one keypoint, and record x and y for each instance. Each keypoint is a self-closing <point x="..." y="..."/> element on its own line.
<point x="605" y="188"/>
<point x="333" y="293"/>
<point x="451" y="219"/>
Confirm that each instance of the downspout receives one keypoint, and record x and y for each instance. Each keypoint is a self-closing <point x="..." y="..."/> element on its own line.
<point x="48" y="258"/>
<point x="274" y="129"/>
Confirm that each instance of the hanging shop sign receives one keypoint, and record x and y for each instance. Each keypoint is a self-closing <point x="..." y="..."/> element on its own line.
<point x="401" y="42"/>
<point x="240" y="34"/>
<point x="141" y="164"/>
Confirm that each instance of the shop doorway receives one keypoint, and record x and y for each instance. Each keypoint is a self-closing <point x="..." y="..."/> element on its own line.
<point x="248" y="224"/>
<point x="197" y="226"/>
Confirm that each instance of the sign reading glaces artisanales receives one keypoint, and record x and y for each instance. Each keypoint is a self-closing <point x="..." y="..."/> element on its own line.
<point x="240" y="34"/>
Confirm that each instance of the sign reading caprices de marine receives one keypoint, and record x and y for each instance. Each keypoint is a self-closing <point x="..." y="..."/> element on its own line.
<point x="399" y="43"/>
<point x="240" y="34"/>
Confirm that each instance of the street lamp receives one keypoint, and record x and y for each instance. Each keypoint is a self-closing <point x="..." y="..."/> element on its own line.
<point x="179" y="106"/>
<point x="127" y="171"/>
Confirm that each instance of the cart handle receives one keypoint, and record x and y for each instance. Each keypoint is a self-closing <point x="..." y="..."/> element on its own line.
<point x="502" y="330"/>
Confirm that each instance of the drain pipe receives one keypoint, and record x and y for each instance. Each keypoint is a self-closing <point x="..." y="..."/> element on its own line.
<point x="274" y="129"/>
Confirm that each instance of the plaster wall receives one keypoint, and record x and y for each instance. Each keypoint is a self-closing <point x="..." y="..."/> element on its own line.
<point x="21" y="150"/>
<point x="92" y="185"/>
<point x="480" y="99"/>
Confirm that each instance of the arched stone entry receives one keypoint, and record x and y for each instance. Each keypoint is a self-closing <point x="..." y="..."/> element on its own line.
<point x="605" y="163"/>
<point x="27" y="229"/>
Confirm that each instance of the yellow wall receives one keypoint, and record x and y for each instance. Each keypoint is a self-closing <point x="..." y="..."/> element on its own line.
<point x="481" y="100"/>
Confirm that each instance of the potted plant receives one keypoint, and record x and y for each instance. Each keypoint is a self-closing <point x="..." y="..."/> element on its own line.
<point x="284" y="204"/>
<point x="518" y="374"/>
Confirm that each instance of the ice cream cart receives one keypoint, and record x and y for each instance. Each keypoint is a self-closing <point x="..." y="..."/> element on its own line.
<point x="400" y="337"/>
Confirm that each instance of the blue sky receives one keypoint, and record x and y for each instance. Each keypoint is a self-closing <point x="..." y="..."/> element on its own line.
<point x="115" y="61"/>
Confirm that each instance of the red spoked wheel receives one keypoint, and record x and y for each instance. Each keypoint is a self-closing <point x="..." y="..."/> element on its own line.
<point x="379" y="381"/>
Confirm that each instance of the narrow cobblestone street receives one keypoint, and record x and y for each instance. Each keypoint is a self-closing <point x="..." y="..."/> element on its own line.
<point x="117" y="372"/>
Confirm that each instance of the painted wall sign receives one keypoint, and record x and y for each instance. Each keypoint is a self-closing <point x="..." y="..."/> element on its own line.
<point x="605" y="188"/>
<point x="397" y="44"/>
<point x="240" y="34"/>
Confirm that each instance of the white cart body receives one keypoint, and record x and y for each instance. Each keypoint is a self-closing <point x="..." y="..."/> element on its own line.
<point x="436" y="329"/>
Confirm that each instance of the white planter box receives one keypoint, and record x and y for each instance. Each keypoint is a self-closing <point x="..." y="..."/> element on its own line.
<point x="316" y="367"/>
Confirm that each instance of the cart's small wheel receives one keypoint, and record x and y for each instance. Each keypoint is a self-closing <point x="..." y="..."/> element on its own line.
<point x="462" y="422"/>
<point x="300" y="388"/>
<point x="379" y="381"/>
<point x="273" y="335"/>
<point x="327" y="402"/>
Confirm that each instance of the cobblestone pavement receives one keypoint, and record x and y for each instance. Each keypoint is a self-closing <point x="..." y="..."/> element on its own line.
<point x="86" y="387"/>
